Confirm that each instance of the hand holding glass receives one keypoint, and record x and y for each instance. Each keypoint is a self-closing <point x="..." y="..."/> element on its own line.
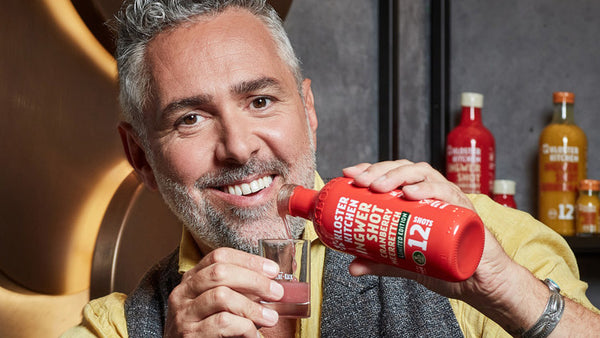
<point x="293" y="257"/>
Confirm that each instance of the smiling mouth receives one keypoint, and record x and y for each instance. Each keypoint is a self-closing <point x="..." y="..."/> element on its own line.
<point x="250" y="187"/>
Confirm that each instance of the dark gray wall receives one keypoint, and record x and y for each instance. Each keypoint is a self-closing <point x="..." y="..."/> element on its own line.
<point x="337" y="43"/>
<point x="517" y="53"/>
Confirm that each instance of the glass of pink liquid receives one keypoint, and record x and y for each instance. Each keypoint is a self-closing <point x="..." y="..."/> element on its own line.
<point x="293" y="257"/>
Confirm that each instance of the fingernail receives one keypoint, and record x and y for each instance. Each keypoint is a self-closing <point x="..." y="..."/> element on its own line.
<point x="270" y="316"/>
<point x="270" y="268"/>
<point x="276" y="290"/>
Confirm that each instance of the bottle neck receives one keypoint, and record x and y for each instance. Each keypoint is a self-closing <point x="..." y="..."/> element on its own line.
<point x="470" y="115"/>
<point x="295" y="200"/>
<point x="563" y="113"/>
<point x="588" y="192"/>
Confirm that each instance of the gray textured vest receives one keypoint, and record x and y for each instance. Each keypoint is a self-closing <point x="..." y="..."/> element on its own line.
<point x="367" y="306"/>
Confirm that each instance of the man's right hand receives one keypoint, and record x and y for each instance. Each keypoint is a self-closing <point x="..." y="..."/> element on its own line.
<point x="220" y="296"/>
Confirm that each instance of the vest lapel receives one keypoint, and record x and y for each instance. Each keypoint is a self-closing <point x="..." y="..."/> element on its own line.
<point x="370" y="306"/>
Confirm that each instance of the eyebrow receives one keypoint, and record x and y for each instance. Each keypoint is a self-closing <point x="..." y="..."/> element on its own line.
<point x="186" y="103"/>
<point x="250" y="86"/>
<point x="241" y="88"/>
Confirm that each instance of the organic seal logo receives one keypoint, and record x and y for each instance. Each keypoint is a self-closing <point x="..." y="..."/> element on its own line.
<point x="419" y="258"/>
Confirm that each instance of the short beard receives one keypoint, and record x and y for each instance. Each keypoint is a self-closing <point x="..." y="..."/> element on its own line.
<point x="238" y="228"/>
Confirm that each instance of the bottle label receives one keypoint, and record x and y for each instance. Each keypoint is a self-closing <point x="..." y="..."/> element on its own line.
<point x="359" y="225"/>
<point x="587" y="218"/>
<point x="560" y="167"/>
<point x="419" y="236"/>
<point x="561" y="153"/>
<point x="464" y="168"/>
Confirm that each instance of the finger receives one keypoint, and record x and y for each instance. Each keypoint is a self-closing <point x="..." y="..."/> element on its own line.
<point x="407" y="174"/>
<point x="361" y="266"/>
<point x="222" y="324"/>
<point x="443" y="191"/>
<point x="223" y="299"/>
<point x="371" y="173"/>
<point x="239" y="258"/>
<point x="355" y="170"/>
<point x="245" y="281"/>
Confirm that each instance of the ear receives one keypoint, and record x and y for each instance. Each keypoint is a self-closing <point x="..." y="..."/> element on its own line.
<point x="309" y="107"/>
<point x="136" y="156"/>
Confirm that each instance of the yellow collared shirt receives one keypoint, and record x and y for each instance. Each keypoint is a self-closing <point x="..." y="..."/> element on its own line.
<point x="527" y="241"/>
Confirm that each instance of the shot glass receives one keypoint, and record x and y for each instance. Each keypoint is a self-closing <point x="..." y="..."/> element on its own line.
<point x="293" y="257"/>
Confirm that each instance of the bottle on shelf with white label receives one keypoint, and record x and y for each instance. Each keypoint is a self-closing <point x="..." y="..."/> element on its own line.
<point x="562" y="165"/>
<point x="588" y="208"/>
<point x="471" y="150"/>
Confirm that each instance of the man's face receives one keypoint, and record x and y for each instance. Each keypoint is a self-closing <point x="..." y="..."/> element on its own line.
<point x="227" y="130"/>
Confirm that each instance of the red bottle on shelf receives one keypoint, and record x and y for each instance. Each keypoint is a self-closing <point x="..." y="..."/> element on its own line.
<point x="429" y="236"/>
<point x="504" y="193"/>
<point x="470" y="150"/>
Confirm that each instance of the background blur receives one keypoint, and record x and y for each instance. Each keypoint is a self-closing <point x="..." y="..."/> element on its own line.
<point x="70" y="205"/>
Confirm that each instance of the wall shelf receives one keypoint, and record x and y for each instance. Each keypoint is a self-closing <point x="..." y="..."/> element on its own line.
<point x="584" y="245"/>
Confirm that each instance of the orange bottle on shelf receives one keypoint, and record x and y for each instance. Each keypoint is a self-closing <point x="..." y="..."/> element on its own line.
<point x="587" y="208"/>
<point x="430" y="237"/>
<point x="470" y="150"/>
<point x="562" y="165"/>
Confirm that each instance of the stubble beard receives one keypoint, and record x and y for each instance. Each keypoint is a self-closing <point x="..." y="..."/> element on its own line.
<point x="230" y="226"/>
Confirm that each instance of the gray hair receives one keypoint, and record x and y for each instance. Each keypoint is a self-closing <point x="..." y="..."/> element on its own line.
<point x="139" y="21"/>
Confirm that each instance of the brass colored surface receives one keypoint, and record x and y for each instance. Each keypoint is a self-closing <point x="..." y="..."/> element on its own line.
<point x="59" y="144"/>
<point x="131" y="239"/>
<point x="62" y="158"/>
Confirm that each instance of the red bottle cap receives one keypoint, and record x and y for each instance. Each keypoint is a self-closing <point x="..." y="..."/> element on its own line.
<point x="297" y="200"/>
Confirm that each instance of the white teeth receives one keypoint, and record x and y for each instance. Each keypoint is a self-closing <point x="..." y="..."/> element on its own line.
<point x="248" y="188"/>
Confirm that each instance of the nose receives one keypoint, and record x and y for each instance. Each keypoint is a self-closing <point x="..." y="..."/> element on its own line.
<point x="238" y="140"/>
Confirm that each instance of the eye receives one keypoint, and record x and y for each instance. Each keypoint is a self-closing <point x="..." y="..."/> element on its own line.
<point x="190" y="119"/>
<point x="260" y="102"/>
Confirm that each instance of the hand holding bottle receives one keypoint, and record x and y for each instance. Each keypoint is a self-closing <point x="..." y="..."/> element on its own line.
<point x="498" y="280"/>
<point x="501" y="289"/>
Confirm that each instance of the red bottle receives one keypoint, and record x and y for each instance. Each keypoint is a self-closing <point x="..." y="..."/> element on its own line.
<point x="470" y="150"/>
<point x="429" y="236"/>
<point x="504" y="193"/>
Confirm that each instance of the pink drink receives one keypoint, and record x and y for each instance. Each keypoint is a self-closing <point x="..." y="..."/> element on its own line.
<point x="295" y="301"/>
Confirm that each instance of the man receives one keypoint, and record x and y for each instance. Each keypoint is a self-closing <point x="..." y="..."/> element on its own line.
<point x="218" y="118"/>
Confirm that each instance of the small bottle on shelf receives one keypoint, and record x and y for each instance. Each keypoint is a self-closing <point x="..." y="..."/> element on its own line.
<point x="504" y="193"/>
<point x="588" y="206"/>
